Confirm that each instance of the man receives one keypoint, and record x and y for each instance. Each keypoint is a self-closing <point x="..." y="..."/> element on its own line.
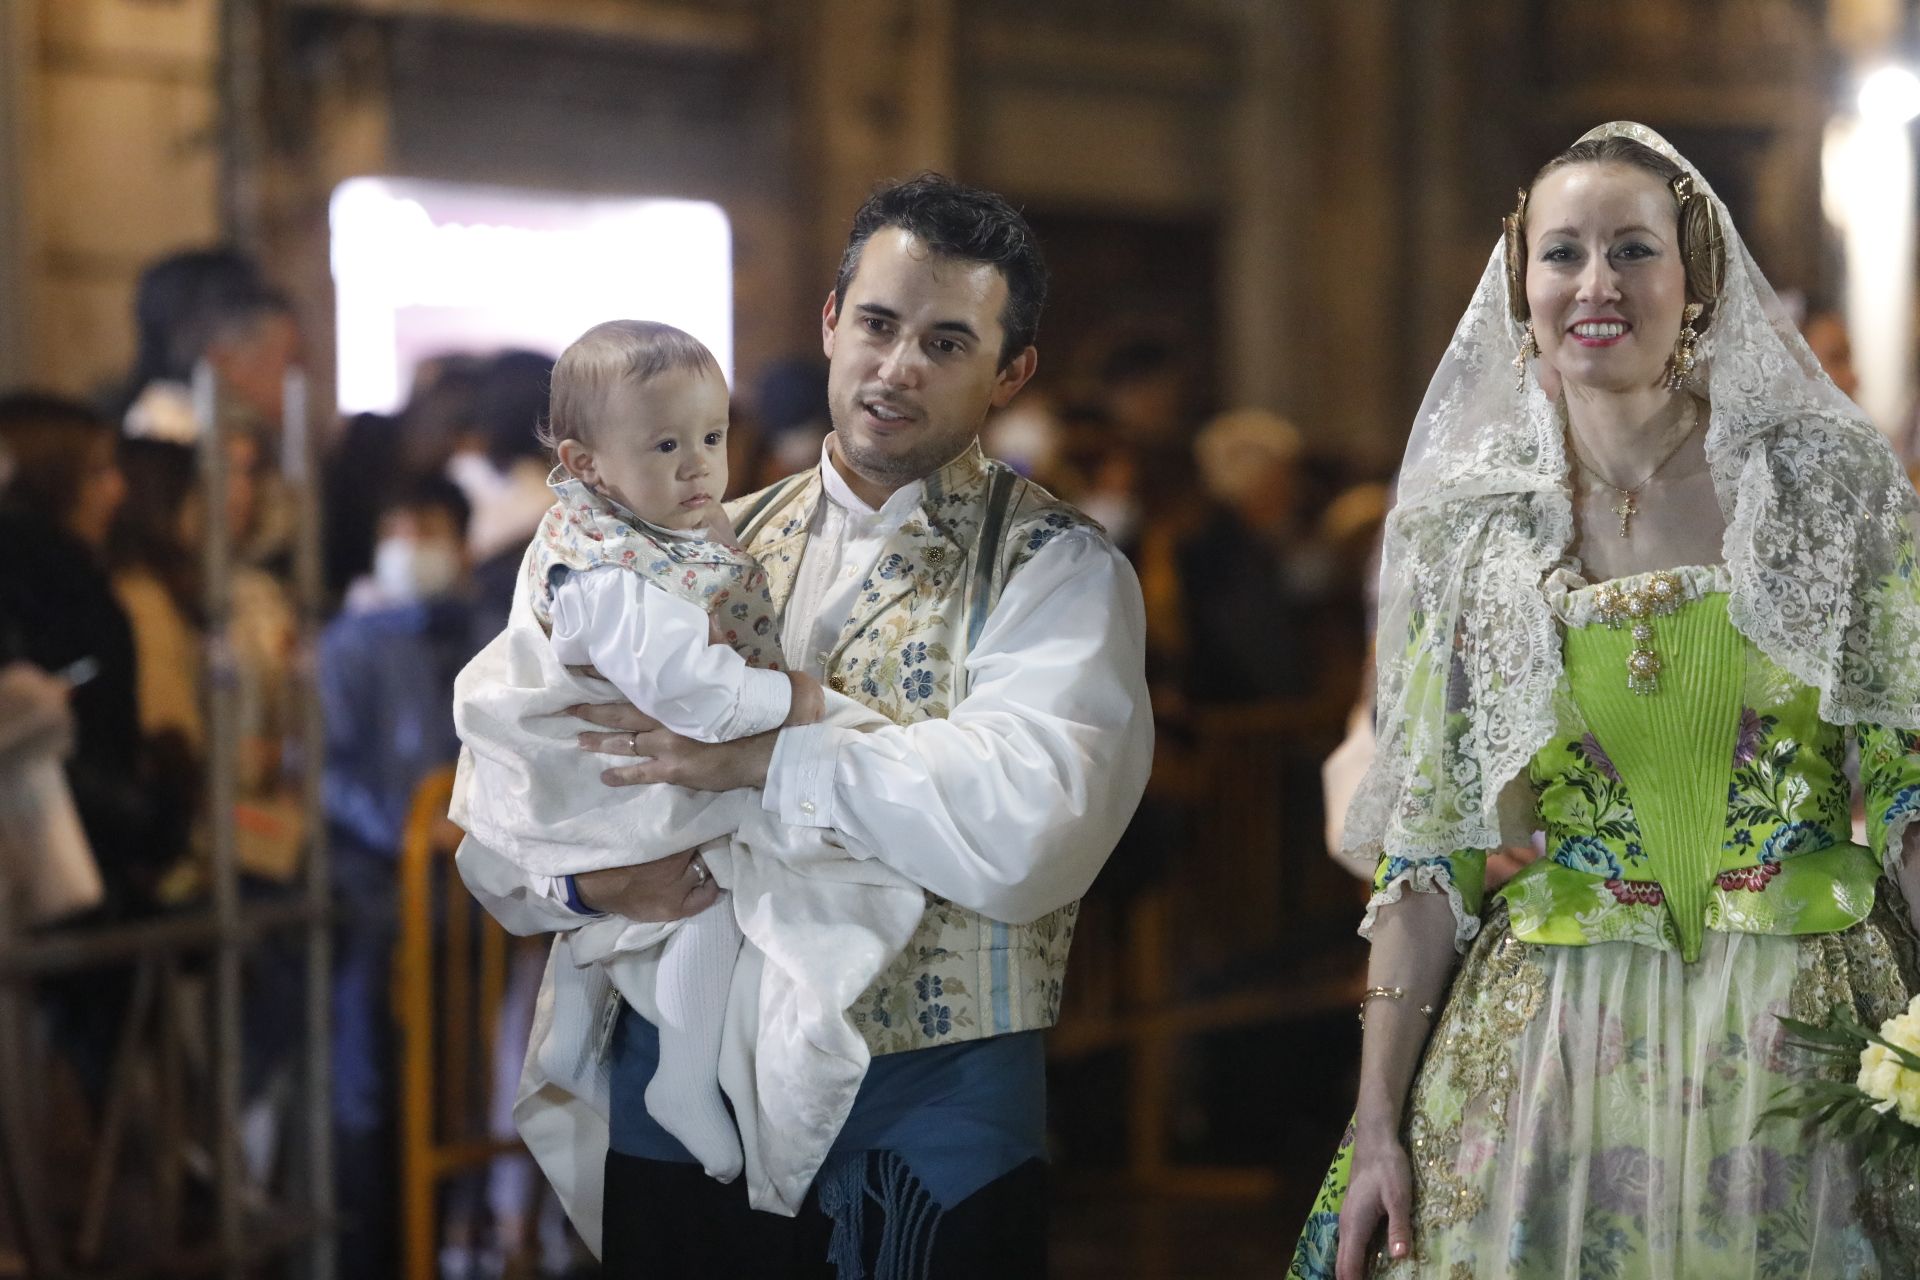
<point x="210" y="304"/>
<point x="386" y="669"/>
<point x="1003" y="634"/>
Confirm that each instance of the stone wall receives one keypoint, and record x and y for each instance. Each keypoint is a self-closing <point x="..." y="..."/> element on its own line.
<point x="1348" y="158"/>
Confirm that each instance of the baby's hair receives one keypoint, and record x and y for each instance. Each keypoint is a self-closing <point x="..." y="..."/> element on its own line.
<point x="605" y="356"/>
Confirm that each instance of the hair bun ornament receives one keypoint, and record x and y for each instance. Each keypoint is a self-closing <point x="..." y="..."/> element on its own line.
<point x="1703" y="244"/>
<point x="1513" y="230"/>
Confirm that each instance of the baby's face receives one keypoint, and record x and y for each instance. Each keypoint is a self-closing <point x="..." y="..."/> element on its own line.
<point x="661" y="448"/>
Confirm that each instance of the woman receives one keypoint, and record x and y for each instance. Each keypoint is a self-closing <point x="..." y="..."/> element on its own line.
<point x="1645" y="615"/>
<point x="58" y="612"/>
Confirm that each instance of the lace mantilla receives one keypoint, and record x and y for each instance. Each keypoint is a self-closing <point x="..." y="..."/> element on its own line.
<point x="1819" y="555"/>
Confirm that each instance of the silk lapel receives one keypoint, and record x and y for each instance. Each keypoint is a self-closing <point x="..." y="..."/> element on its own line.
<point x="781" y="541"/>
<point x="925" y="553"/>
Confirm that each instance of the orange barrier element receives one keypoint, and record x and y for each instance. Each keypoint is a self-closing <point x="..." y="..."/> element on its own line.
<point x="446" y="1011"/>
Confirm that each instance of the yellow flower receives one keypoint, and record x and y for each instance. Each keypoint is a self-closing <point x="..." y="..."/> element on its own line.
<point x="1884" y="1076"/>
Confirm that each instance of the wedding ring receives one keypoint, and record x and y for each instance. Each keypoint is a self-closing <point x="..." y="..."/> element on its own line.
<point x="699" y="873"/>
<point x="633" y="743"/>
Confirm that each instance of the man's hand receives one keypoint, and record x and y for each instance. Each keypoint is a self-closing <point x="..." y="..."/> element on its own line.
<point x="662" y="755"/>
<point x="665" y="889"/>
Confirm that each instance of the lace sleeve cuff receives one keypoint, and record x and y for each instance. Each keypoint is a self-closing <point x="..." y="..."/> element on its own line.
<point x="1461" y="877"/>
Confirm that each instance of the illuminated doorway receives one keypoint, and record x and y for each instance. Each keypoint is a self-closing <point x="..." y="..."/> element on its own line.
<point x="422" y="269"/>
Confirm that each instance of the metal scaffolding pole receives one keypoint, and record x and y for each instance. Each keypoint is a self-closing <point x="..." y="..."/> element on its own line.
<point x="223" y="775"/>
<point x="297" y="466"/>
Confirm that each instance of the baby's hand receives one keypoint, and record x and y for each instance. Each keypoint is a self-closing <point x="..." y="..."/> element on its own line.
<point x="809" y="700"/>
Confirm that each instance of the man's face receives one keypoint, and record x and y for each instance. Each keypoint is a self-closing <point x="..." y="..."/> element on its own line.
<point x="914" y="359"/>
<point x="253" y="361"/>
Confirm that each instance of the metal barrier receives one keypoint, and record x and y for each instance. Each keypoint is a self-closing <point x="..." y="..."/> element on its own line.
<point x="251" y="1227"/>
<point x="450" y="978"/>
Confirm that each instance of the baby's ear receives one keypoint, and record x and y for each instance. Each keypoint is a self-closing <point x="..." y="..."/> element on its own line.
<point x="578" y="460"/>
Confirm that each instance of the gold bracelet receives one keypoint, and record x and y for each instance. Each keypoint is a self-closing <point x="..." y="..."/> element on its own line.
<point x="1387" y="993"/>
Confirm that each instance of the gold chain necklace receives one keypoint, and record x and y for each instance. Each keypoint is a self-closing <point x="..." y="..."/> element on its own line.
<point x="1627" y="510"/>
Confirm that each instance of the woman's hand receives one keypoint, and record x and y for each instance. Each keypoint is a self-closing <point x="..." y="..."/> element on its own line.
<point x="670" y="888"/>
<point x="1407" y="978"/>
<point x="1381" y="1186"/>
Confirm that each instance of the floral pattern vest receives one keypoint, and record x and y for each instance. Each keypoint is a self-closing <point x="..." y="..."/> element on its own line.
<point x="902" y="653"/>
<point x="583" y="530"/>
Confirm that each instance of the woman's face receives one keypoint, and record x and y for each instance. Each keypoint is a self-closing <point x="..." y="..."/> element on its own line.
<point x="1606" y="285"/>
<point x="99" y="493"/>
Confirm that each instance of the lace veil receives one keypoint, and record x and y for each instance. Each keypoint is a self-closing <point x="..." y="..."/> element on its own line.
<point x="1819" y="541"/>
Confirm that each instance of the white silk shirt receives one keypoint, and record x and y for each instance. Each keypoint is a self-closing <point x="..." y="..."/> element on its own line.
<point x="1011" y="804"/>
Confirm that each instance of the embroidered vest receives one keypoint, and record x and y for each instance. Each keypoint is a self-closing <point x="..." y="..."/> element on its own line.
<point x="903" y="653"/>
<point x="583" y="530"/>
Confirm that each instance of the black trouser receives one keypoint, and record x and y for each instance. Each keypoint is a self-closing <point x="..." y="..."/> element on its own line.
<point x="670" y="1221"/>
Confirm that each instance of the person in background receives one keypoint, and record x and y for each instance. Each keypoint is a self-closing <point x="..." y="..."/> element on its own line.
<point x="57" y="609"/>
<point x="1826" y="335"/>
<point x="1252" y="574"/>
<point x="356" y="482"/>
<point x="791" y="401"/>
<point x="215" y="305"/>
<point x="58" y="612"/>
<point x="210" y="304"/>
<point x="502" y="469"/>
<point x="156" y="577"/>
<point x="155" y="553"/>
<point x="386" y="670"/>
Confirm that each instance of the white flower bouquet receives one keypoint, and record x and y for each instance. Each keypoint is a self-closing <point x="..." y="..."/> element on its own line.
<point x="1879" y="1109"/>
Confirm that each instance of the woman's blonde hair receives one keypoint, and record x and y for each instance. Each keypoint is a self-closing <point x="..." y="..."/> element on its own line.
<point x="602" y="358"/>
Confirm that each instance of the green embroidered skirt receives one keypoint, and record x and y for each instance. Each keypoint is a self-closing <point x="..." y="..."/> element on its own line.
<point x="1588" y="1103"/>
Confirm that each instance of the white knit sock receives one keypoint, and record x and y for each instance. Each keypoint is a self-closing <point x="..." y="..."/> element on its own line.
<point x="696" y="971"/>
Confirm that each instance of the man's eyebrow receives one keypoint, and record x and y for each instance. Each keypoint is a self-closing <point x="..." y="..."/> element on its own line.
<point x="881" y="312"/>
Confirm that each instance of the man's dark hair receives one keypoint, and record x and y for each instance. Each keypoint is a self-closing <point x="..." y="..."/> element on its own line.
<point x="186" y="302"/>
<point x="512" y="405"/>
<point x="958" y="221"/>
<point x="432" y="493"/>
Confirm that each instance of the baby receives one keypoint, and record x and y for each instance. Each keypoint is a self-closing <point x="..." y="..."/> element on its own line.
<point x="635" y="576"/>
<point x="633" y="587"/>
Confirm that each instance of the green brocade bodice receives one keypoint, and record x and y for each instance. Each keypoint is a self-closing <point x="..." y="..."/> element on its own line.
<point x="1719" y="800"/>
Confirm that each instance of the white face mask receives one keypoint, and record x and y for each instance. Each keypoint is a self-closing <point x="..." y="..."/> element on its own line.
<point x="409" y="570"/>
<point x="476" y="477"/>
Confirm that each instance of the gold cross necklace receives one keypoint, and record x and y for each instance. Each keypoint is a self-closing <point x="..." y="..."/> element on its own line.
<point x="1690" y="414"/>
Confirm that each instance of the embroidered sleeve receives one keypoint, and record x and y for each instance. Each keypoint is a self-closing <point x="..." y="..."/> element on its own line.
<point x="1460" y="875"/>
<point x="1890" y="779"/>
